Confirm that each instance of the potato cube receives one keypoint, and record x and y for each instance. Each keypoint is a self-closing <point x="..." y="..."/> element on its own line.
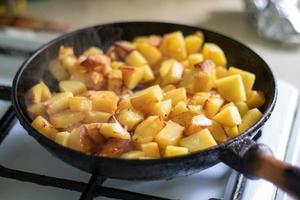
<point x="175" y="151"/>
<point x="115" y="81"/>
<point x="58" y="70"/>
<point x="104" y="101"/>
<point x="39" y="93"/>
<point x="169" y="87"/>
<point x="93" y="132"/>
<point x="255" y="99"/>
<point x="248" y="78"/>
<point x="114" y="130"/>
<point x="162" y="108"/>
<point x="197" y="109"/>
<point x="194" y="59"/>
<point x="213" y="105"/>
<point x="193" y="43"/>
<point x="173" y="46"/>
<point x="185" y="63"/>
<point x="231" y="88"/>
<point x="132" y="76"/>
<point x="133" y="155"/>
<point x="76" y="87"/>
<point x="242" y="107"/>
<point x="184" y="118"/>
<point x="124" y="102"/>
<point x="217" y="132"/>
<point x="147" y="129"/>
<point x="221" y="72"/>
<point x="198" y="123"/>
<point x="200" y="98"/>
<point x="148" y="74"/>
<point x="79" y="103"/>
<point x="230" y="116"/>
<point x="249" y="119"/>
<point x="66" y="118"/>
<point x="135" y="59"/>
<point x="142" y="99"/>
<point x="170" y="71"/>
<point x="58" y="102"/>
<point x="35" y="110"/>
<point x="227" y="105"/>
<point x="176" y="95"/>
<point x="214" y="52"/>
<point x="44" y="127"/>
<point x="117" y="64"/>
<point x="62" y="138"/>
<point x="151" y="149"/>
<point x="75" y="139"/>
<point x="180" y="107"/>
<point x="69" y="63"/>
<point x="198" y="141"/>
<point x="151" y="53"/>
<point x="96" y="117"/>
<point x="129" y="118"/>
<point x="169" y="135"/>
<point x="232" y="131"/>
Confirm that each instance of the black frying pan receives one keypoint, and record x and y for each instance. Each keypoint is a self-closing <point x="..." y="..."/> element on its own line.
<point x="240" y="153"/>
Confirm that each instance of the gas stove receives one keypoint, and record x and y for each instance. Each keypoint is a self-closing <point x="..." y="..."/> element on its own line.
<point x="21" y="152"/>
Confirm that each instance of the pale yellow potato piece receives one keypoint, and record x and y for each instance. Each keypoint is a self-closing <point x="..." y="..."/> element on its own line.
<point x="148" y="74"/>
<point x="124" y="102"/>
<point x="229" y="116"/>
<point x="66" y="118"/>
<point x="198" y="141"/>
<point x="130" y="118"/>
<point x="176" y="95"/>
<point x="104" y="101"/>
<point x="76" y="87"/>
<point x="151" y="149"/>
<point x="132" y="76"/>
<point x="169" y="135"/>
<point x="180" y="107"/>
<point x="79" y="103"/>
<point x="74" y="140"/>
<point x="200" y="98"/>
<point x="114" y="130"/>
<point x="39" y="93"/>
<point x="133" y="155"/>
<point x="92" y="51"/>
<point x="115" y="80"/>
<point x="221" y="72"/>
<point x="213" y="105"/>
<point x="171" y="151"/>
<point x="117" y="64"/>
<point x="151" y="53"/>
<point x="242" y="107"/>
<point x="198" y="123"/>
<point x="69" y="63"/>
<point x="44" y="127"/>
<point x="218" y="132"/>
<point x="247" y="77"/>
<point x="193" y="43"/>
<point x="58" y="70"/>
<point x="183" y="118"/>
<point x="167" y="88"/>
<point x="96" y="116"/>
<point x="58" y="102"/>
<point x="194" y="59"/>
<point x="249" y="119"/>
<point x="232" y="131"/>
<point x="35" y="110"/>
<point x="62" y="138"/>
<point x="142" y="99"/>
<point x="213" y="52"/>
<point x="136" y="59"/>
<point x="255" y="99"/>
<point x="197" y="109"/>
<point x="227" y="105"/>
<point x="173" y="46"/>
<point x="170" y="71"/>
<point x="162" y="108"/>
<point x="147" y="129"/>
<point x="231" y="88"/>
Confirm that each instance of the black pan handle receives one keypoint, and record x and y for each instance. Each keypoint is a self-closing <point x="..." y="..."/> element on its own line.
<point x="5" y="92"/>
<point x="257" y="161"/>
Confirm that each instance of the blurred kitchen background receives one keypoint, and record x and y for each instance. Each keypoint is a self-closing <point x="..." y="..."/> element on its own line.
<point x="227" y="17"/>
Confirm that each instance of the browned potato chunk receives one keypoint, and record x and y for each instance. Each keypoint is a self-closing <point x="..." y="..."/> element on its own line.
<point x="39" y="93"/>
<point x="180" y="107"/>
<point x="114" y="130"/>
<point x="58" y="102"/>
<point x="198" y="123"/>
<point x="212" y="105"/>
<point x="79" y="103"/>
<point x="93" y="132"/>
<point x="76" y="87"/>
<point x="35" y="110"/>
<point x="104" y="101"/>
<point x="66" y="118"/>
<point x="44" y="127"/>
<point x="132" y="76"/>
<point x="147" y="129"/>
<point x="115" y="81"/>
<point x="162" y="108"/>
<point x="170" y="71"/>
<point x="129" y="118"/>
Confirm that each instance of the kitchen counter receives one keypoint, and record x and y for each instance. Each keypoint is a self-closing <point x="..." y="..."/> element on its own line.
<point x="226" y="17"/>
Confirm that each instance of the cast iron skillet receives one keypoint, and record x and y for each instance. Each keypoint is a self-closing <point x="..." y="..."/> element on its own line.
<point x="240" y="153"/>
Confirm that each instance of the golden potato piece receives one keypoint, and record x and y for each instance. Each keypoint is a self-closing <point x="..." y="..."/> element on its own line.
<point x="249" y="119"/>
<point x="35" y="110"/>
<point x="173" y="46"/>
<point x="213" y="105"/>
<point x="44" y="127"/>
<point x="132" y="76"/>
<point x="180" y="107"/>
<point x="129" y="118"/>
<point x="39" y="93"/>
<point x="176" y="95"/>
<point x="231" y="88"/>
<point x="198" y="141"/>
<point x="104" y="101"/>
<point x="218" y="132"/>
<point x="213" y="52"/>
<point x="79" y="103"/>
<point x="248" y="78"/>
<point x="135" y="59"/>
<point x="175" y="151"/>
<point x="229" y="117"/>
<point x="193" y="43"/>
<point x="114" y="130"/>
<point x="147" y="129"/>
<point x="255" y="99"/>
<point x="93" y="132"/>
<point x="58" y="102"/>
<point x="58" y="70"/>
<point x="198" y="123"/>
<point x="232" y="131"/>
<point x="199" y="98"/>
<point x="195" y="59"/>
<point x="221" y="72"/>
<point x="76" y="87"/>
<point x="115" y="81"/>
<point x="170" y="71"/>
<point x="148" y="74"/>
<point x="151" y="149"/>
<point x="133" y="155"/>
<point x="169" y="135"/>
<point x="242" y="107"/>
<point x="162" y="108"/>
<point x="66" y="118"/>
<point x="96" y="117"/>
<point x="151" y="53"/>
<point x="62" y="138"/>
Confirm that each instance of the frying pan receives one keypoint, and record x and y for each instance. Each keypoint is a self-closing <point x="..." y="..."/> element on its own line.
<point x="241" y="153"/>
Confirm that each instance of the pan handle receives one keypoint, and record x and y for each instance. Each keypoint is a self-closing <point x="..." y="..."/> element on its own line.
<point x="256" y="160"/>
<point x="5" y="92"/>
